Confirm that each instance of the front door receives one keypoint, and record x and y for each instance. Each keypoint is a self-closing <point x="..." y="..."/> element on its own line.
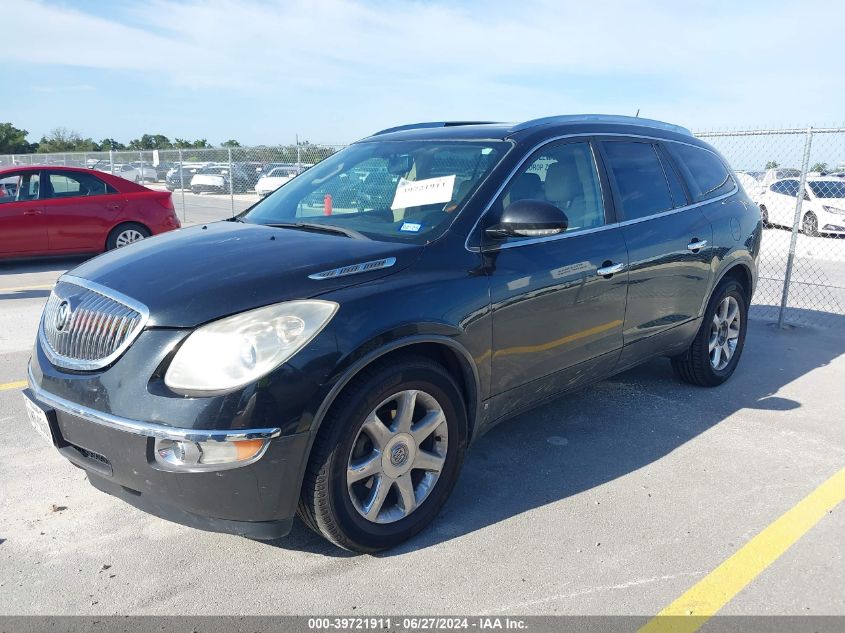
<point x="23" y="230"/>
<point x="557" y="321"/>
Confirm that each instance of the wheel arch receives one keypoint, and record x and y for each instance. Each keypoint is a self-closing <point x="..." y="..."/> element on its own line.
<point x="443" y="349"/>
<point x="741" y="272"/>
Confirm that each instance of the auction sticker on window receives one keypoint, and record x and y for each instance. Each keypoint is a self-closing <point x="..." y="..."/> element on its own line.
<point x="417" y="193"/>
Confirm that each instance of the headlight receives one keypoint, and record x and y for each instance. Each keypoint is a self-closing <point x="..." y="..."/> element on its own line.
<point x="240" y="349"/>
<point x="834" y="210"/>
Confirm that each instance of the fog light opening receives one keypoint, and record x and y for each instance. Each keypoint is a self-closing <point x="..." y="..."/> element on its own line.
<point x="186" y="455"/>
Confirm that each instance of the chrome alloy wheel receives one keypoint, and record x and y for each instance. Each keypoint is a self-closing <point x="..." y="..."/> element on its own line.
<point x="397" y="456"/>
<point x="127" y="237"/>
<point x="724" y="333"/>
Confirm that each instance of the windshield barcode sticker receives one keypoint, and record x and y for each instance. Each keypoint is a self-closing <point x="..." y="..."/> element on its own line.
<point x="418" y="193"/>
<point x="410" y="227"/>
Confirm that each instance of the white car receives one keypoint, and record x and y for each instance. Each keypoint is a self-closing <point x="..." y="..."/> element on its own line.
<point x="123" y="170"/>
<point x="822" y="211"/>
<point x="752" y="185"/>
<point x="147" y="172"/>
<point x="271" y="181"/>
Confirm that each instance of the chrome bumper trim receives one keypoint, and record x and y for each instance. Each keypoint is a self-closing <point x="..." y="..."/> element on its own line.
<point x="148" y="429"/>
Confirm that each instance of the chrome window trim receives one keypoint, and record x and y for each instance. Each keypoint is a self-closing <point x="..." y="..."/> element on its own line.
<point x="90" y="365"/>
<point x="599" y="136"/>
<point x="147" y="429"/>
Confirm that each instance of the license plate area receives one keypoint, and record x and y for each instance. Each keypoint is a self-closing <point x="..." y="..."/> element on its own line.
<point x="42" y="419"/>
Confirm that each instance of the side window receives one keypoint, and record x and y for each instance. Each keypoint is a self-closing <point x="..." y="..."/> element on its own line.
<point x="19" y="187"/>
<point x="72" y="185"/>
<point x="705" y="173"/>
<point x="679" y="196"/>
<point x="564" y="175"/>
<point x="777" y="187"/>
<point x="640" y="181"/>
<point x="792" y="187"/>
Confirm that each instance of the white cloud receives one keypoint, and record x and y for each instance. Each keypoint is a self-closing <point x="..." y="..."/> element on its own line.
<point x="713" y="63"/>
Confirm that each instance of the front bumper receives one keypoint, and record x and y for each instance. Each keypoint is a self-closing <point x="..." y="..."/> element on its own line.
<point x="257" y="500"/>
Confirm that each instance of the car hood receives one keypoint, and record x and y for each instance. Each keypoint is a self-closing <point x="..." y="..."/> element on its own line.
<point x="199" y="274"/>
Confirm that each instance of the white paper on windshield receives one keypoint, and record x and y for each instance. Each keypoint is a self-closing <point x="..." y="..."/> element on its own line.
<point x="416" y="193"/>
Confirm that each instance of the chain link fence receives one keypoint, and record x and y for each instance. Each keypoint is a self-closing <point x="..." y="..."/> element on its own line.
<point x="802" y="263"/>
<point x="797" y="177"/>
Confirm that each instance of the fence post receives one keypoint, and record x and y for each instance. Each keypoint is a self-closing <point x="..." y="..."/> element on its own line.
<point x="298" y="158"/>
<point x="231" y="184"/>
<point x="111" y="161"/>
<point x="799" y="202"/>
<point x="182" y="187"/>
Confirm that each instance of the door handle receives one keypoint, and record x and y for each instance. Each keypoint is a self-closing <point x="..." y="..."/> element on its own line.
<point x="32" y="212"/>
<point x="696" y="245"/>
<point x="610" y="269"/>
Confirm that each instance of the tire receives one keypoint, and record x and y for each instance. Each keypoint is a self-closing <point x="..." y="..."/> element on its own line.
<point x="764" y="214"/>
<point x="127" y="233"/>
<point x="810" y="225"/>
<point x="335" y="507"/>
<point x="696" y="366"/>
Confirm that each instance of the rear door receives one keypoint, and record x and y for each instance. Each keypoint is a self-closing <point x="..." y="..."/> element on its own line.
<point x="668" y="275"/>
<point x="23" y="230"/>
<point x="80" y="209"/>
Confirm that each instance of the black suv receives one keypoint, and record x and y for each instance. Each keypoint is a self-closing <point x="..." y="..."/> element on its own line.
<point x="332" y="351"/>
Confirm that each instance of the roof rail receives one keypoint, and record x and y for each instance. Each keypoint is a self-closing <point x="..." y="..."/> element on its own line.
<point x="601" y="118"/>
<point x="429" y="124"/>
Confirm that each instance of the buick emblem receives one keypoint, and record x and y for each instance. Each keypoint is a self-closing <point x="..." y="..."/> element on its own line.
<point x="398" y="454"/>
<point x="62" y="316"/>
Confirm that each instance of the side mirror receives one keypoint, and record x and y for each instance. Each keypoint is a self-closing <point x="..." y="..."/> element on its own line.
<point x="529" y="218"/>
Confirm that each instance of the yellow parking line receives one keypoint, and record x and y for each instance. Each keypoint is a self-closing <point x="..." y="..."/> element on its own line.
<point x="20" y="384"/>
<point x="714" y="591"/>
<point x="22" y="288"/>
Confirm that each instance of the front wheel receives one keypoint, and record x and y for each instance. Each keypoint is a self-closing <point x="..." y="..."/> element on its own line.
<point x="764" y="215"/>
<point x="714" y="353"/>
<point x="386" y="457"/>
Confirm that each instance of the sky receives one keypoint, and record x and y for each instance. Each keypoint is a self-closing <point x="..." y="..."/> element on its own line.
<point x="332" y="71"/>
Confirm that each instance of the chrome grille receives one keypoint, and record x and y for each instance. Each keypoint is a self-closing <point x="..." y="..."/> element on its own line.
<point x="87" y="326"/>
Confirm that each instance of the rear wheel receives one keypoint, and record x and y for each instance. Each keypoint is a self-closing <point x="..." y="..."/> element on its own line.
<point x="386" y="457"/>
<point x="810" y="225"/>
<point x="715" y="351"/>
<point x="126" y="234"/>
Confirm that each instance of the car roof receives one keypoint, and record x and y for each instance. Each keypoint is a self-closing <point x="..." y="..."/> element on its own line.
<point x="546" y="126"/>
<point x="86" y="170"/>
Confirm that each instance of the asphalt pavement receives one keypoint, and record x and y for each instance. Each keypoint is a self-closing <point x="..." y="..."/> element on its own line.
<point x="616" y="499"/>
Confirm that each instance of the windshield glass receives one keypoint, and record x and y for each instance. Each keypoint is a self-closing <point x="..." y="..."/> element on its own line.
<point x="828" y="188"/>
<point x="388" y="190"/>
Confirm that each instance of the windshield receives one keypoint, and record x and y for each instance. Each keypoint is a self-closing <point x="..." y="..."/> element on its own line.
<point x="388" y="190"/>
<point x="828" y="188"/>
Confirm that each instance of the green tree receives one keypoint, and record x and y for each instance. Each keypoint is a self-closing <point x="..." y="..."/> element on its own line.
<point x="151" y="141"/>
<point x="13" y="140"/>
<point x="110" y="144"/>
<point x="772" y="164"/>
<point x="182" y="143"/>
<point x="61" y="139"/>
<point x="822" y="167"/>
<point x="230" y="143"/>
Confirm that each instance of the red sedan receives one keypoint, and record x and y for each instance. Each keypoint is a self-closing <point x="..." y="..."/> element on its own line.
<point x="68" y="210"/>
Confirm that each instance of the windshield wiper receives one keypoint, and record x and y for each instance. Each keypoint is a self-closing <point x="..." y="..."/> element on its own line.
<point x="325" y="228"/>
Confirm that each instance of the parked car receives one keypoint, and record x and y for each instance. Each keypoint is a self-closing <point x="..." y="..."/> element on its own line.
<point x="778" y="173"/>
<point x="180" y="177"/>
<point x="271" y="181"/>
<point x="216" y="179"/>
<point x="822" y="208"/>
<point x="338" y="364"/>
<point x="123" y="170"/>
<point x="751" y="183"/>
<point x="69" y="210"/>
<point x="146" y="172"/>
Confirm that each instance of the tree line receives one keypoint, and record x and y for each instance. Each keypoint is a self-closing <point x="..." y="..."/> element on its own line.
<point x="13" y="140"/>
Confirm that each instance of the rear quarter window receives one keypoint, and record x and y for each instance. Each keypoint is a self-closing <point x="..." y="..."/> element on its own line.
<point x="706" y="175"/>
